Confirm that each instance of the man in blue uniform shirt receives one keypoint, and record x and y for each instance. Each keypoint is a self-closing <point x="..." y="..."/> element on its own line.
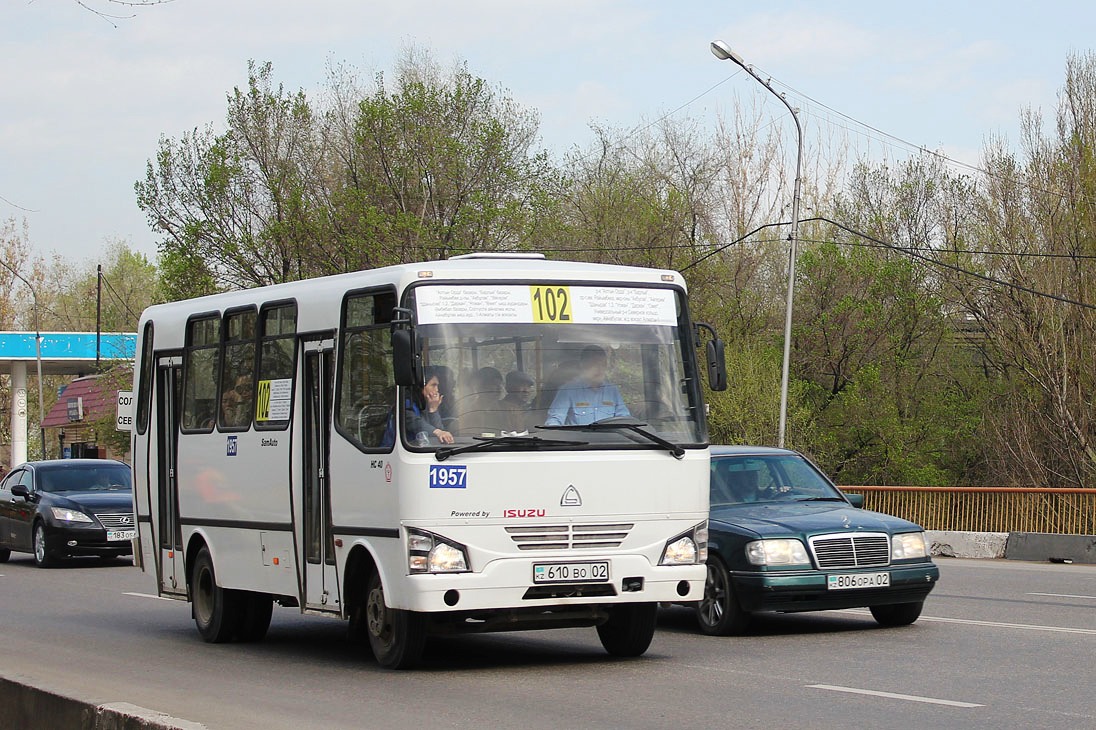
<point x="587" y="398"/>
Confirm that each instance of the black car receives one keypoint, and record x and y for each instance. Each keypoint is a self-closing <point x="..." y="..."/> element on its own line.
<point x="66" y="507"/>
<point x="782" y="537"/>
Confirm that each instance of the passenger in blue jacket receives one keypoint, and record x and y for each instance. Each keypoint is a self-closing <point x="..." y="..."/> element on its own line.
<point x="587" y="398"/>
<point x="422" y="416"/>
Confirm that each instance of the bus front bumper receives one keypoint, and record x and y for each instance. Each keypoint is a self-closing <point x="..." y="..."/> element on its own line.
<point x="541" y="584"/>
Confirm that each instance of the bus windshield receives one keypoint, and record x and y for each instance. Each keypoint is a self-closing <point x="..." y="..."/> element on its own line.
<point x="562" y="366"/>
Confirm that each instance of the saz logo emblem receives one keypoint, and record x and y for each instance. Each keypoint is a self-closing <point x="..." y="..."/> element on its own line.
<point x="571" y="497"/>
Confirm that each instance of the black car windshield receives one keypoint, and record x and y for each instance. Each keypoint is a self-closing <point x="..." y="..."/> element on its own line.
<point x="81" y="478"/>
<point x="768" y="478"/>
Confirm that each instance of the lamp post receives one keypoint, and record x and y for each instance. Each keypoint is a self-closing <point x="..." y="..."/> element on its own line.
<point x="724" y="53"/>
<point x="38" y="355"/>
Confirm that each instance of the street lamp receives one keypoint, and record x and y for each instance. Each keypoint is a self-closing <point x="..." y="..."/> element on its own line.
<point x="724" y="53"/>
<point x="38" y="355"/>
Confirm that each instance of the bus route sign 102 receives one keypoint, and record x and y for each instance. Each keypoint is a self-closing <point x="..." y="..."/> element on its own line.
<point x="123" y="421"/>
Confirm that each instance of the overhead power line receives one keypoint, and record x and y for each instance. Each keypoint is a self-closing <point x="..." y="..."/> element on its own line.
<point x="943" y="264"/>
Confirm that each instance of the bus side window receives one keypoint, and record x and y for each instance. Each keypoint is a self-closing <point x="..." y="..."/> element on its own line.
<point x="200" y="373"/>
<point x="238" y="370"/>
<point x="277" y="357"/>
<point x="367" y="391"/>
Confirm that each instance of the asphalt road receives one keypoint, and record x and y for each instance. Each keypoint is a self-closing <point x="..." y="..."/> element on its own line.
<point x="1001" y="644"/>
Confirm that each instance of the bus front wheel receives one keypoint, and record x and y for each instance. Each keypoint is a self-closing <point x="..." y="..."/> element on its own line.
<point x="629" y="630"/>
<point x="396" y="637"/>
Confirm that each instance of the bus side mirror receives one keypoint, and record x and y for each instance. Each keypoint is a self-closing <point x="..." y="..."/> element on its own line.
<point x="717" y="365"/>
<point x="405" y="358"/>
<point x="714" y="357"/>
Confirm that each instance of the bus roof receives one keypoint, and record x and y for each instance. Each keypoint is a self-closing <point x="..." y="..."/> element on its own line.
<point x="500" y="266"/>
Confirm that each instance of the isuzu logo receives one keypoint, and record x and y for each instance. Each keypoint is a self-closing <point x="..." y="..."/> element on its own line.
<point x="534" y="512"/>
<point x="571" y="497"/>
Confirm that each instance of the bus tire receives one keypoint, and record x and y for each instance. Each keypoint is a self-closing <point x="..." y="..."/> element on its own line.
<point x="629" y="629"/>
<point x="396" y="637"/>
<point x="217" y="611"/>
<point x="255" y="616"/>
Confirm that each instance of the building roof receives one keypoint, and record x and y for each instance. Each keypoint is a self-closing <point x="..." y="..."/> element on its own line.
<point x="93" y="395"/>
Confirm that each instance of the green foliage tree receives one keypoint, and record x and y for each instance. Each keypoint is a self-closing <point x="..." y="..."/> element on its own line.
<point x="1037" y="306"/>
<point x="889" y="384"/>
<point x="436" y="164"/>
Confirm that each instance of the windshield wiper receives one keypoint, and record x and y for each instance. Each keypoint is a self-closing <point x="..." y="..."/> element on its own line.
<point x="819" y="499"/>
<point x="529" y="443"/>
<point x="627" y="424"/>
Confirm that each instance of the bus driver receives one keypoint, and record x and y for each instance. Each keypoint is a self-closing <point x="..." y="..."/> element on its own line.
<point x="587" y="398"/>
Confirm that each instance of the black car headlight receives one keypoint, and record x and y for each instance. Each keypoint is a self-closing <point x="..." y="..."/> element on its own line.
<point x="65" y="514"/>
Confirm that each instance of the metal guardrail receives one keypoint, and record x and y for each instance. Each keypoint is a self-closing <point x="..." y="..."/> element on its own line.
<point x="987" y="509"/>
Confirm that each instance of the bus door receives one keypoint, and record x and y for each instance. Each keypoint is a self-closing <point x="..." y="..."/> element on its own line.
<point x="321" y="588"/>
<point x="169" y="384"/>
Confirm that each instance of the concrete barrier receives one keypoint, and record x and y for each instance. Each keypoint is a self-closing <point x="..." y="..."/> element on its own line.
<point x="957" y="544"/>
<point x="1031" y="546"/>
<point x="25" y="704"/>
<point x="1055" y="548"/>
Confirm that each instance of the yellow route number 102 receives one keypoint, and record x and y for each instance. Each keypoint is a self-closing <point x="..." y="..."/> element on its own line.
<point x="551" y="304"/>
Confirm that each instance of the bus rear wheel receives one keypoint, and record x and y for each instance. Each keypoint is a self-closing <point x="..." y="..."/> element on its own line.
<point x="629" y="630"/>
<point x="396" y="637"/>
<point x="255" y="614"/>
<point x="218" y="611"/>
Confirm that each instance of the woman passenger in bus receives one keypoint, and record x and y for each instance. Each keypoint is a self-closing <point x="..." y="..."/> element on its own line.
<point x="237" y="404"/>
<point x="422" y="416"/>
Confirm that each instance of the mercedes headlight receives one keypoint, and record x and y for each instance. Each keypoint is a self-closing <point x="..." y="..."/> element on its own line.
<point x="777" y="552"/>
<point x="908" y="545"/>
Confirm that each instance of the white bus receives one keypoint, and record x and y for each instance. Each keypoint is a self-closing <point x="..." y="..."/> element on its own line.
<point x="280" y="452"/>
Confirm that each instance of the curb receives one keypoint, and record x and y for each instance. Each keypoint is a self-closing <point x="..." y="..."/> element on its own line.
<point x="27" y="706"/>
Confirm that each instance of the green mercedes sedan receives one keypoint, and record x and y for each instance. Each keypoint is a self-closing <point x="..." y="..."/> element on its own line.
<point x="782" y="537"/>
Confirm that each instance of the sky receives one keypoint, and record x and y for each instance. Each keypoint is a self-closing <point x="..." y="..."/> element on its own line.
<point x="84" y="100"/>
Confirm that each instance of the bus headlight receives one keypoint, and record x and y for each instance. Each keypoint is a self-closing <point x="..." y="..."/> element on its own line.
<point x="908" y="545"/>
<point x="689" y="548"/>
<point x="430" y="553"/>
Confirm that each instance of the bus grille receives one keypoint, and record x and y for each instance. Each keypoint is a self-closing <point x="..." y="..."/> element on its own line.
<point x="568" y="537"/>
<point x="853" y="550"/>
<point x="116" y="520"/>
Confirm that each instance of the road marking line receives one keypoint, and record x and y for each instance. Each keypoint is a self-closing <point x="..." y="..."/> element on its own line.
<point x="1060" y="595"/>
<point x="1005" y="625"/>
<point x="146" y="595"/>
<point x="893" y="695"/>
<point x="995" y="624"/>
